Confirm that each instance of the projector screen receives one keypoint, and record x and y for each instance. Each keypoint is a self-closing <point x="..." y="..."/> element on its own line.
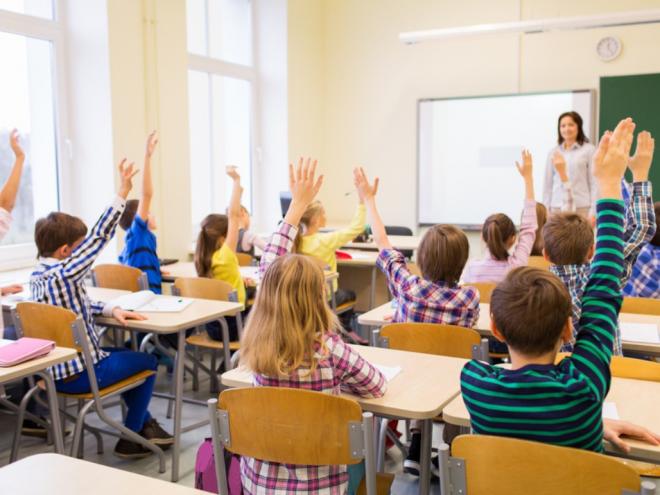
<point x="468" y="148"/>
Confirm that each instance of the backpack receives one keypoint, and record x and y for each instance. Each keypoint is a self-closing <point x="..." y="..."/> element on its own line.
<point x="205" y="478"/>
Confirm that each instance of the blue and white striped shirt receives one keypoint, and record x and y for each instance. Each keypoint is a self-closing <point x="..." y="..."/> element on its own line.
<point x="62" y="283"/>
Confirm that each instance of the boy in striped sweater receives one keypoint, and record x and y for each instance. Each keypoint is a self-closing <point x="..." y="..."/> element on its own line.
<point x="531" y="311"/>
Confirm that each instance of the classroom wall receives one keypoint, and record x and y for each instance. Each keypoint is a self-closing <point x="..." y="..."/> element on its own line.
<point x="353" y="86"/>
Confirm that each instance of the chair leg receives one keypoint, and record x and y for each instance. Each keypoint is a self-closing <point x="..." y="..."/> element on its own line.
<point x="195" y="383"/>
<point x="78" y="429"/>
<point x="380" y="452"/>
<point x="19" y="423"/>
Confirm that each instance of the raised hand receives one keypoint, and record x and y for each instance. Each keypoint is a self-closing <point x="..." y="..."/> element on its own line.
<point x="559" y="162"/>
<point x="526" y="168"/>
<point x="640" y="162"/>
<point x="15" y="144"/>
<point x="126" y="174"/>
<point x="304" y="186"/>
<point x="611" y="158"/>
<point x="365" y="190"/>
<point x="232" y="172"/>
<point x="152" y="141"/>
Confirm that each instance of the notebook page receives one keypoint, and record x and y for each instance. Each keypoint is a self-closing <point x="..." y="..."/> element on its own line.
<point x="640" y="332"/>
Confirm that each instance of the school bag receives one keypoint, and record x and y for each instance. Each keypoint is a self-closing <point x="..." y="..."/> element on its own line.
<point x="205" y="478"/>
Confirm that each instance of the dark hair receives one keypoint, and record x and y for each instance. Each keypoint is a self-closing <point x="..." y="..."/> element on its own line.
<point x="56" y="230"/>
<point x="656" y="238"/>
<point x="126" y="219"/>
<point x="567" y="238"/>
<point x="442" y="254"/>
<point x="581" y="138"/>
<point x="212" y="229"/>
<point x="496" y="231"/>
<point x="541" y="218"/>
<point x="530" y="308"/>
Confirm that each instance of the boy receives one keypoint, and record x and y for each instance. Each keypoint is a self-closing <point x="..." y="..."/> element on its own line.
<point x="247" y="240"/>
<point x="139" y="224"/>
<point x="645" y="278"/>
<point x="531" y="311"/>
<point x="66" y="254"/>
<point x="569" y="238"/>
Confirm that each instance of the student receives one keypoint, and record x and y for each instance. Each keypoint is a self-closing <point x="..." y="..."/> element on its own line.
<point x="645" y="278"/>
<point x="531" y="311"/>
<point x="435" y="297"/>
<point x="66" y="253"/>
<point x="139" y="224"/>
<point x="541" y="218"/>
<point x="291" y="340"/>
<point x="499" y="234"/>
<point x="215" y="252"/>
<point x="569" y="238"/>
<point x="247" y="240"/>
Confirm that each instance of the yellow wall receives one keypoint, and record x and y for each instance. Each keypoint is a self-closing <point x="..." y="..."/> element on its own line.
<point x="353" y="87"/>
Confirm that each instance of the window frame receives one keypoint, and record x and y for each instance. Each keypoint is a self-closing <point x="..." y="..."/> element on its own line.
<point x="52" y="30"/>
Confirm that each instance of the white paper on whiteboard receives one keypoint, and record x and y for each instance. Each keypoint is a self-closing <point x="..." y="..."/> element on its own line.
<point x="610" y="411"/>
<point x="640" y="332"/>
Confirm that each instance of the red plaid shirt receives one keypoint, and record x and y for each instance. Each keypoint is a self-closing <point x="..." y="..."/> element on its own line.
<point x="339" y="368"/>
<point x="422" y="301"/>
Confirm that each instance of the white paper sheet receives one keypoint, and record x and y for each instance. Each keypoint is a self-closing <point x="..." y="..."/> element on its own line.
<point x="640" y="332"/>
<point x="610" y="411"/>
<point x="389" y="371"/>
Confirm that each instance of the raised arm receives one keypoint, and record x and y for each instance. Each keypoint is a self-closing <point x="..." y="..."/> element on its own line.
<point x="10" y="189"/>
<point x="144" y="207"/>
<point x="304" y="187"/>
<point x="367" y="193"/>
<point x="234" y="211"/>
<point x="548" y="179"/>
<point x="559" y="164"/>
<point x="529" y="223"/>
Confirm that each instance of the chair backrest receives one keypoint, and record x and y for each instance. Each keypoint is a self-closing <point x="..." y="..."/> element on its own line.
<point x="538" y="262"/>
<point x="244" y="259"/>
<point x="500" y="465"/>
<point x="398" y="230"/>
<point x="641" y="305"/>
<point x="430" y="338"/>
<point x="625" y="367"/>
<point x="43" y="321"/>
<point x="115" y="276"/>
<point x="204" y="288"/>
<point x="485" y="290"/>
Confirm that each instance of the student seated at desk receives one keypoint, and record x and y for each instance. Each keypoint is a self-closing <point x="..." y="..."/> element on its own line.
<point x="66" y="253"/>
<point x="435" y="297"/>
<point x="537" y="399"/>
<point x="292" y="340"/>
<point x="569" y="240"/>
<point x="247" y="240"/>
<point x="645" y="278"/>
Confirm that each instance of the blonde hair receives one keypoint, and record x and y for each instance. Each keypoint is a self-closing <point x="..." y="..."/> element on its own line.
<point x="289" y="318"/>
<point x="314" y="209"/>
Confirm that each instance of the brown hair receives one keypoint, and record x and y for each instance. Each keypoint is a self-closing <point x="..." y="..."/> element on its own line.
<point x="496" y="231"/>
<point x="530" y="308"/>
<point x="130" y="211"/>
<point x="656" y="238"/>
<point x="289" y="318"/>
<point x="442" y="254"/>
<point x="313" y="209"/>
<point x="212" y="230"/>
<point x="567" y="238"/>
<point x="541" y="218"/>
<point x="56" y="230"/>
<point x="581" y="138"/>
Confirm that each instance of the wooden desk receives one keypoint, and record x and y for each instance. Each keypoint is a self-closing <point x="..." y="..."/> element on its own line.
<point x="402" y="242"/>
<point x="637" y="401"/>
<point x="421" y="391"/>
<point x="60" y="475"/>
<point x="39" y="367"/>
<point x="382" y="315"/>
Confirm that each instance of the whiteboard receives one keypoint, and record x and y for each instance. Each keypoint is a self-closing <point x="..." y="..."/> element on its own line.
<point x="468" y="148"/>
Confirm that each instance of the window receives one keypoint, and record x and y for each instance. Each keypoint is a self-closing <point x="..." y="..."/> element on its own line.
<point x="221" y="88"/>
<point x="28" y="102"/>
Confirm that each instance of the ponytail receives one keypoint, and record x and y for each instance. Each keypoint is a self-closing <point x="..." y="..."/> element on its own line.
<point x="312" y="210"/>
<point x="212" y="229"/>
<point x="497" y="230"/>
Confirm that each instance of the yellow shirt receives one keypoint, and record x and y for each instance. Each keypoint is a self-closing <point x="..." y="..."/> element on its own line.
<point x="323" y="245"/>
<point x="224" y="266"/>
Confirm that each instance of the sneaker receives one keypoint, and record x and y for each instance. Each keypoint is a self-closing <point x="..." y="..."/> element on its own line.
<point x="153" y="432"/>
<point x="131" y="450"/>
<point x="411" y="463"/>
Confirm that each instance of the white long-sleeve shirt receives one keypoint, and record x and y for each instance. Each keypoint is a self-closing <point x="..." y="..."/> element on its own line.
<point x="5" y="223"/>
<point x="578" y="166"/>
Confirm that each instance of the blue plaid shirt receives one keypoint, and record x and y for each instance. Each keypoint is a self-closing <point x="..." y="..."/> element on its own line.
<point x="62" y="283"/>
<point x="640" y="228"/>
<point x="645" y="279"/>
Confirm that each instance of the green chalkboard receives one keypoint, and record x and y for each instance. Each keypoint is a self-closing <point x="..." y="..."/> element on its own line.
<point x="637" y="97"/>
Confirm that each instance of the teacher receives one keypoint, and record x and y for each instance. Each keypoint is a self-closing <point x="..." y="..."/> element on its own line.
<point x="568" y="169"/>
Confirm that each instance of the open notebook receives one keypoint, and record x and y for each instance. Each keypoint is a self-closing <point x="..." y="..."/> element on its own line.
<point x="147" y="301"/>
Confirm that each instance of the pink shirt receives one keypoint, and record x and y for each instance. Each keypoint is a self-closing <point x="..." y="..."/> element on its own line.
<point x="491" y="270"/>
<point x="5" y="223"/>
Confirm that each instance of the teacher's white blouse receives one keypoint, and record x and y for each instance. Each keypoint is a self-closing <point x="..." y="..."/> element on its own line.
<point x="578" y="166"/>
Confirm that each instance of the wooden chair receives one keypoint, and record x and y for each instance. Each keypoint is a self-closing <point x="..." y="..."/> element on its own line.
<point x="485" y="290"/>
<point x="641" y="305"/>
<point x="482" y="464"/>
<point x="291" y="426"/>
<point x="538" y="262"/>
<point x="123" y="277"/>
<point x="626" y="367"/>
<point x="245" y="259"/>
<point x="63" y="327"/>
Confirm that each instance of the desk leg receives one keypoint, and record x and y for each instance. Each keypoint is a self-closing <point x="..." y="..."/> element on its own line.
<point x="372" y="294"/>
<point x="425" y="458"/>
<point x="56" y="423"/>
<point x="178" y="394"/>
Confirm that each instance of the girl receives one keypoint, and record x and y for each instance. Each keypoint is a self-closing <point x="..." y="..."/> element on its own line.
<point x="291" y="340"/>
<point x="499" y="234"/>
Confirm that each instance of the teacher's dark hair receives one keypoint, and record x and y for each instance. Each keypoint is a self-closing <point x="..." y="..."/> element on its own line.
<point x="581" y="138"/>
